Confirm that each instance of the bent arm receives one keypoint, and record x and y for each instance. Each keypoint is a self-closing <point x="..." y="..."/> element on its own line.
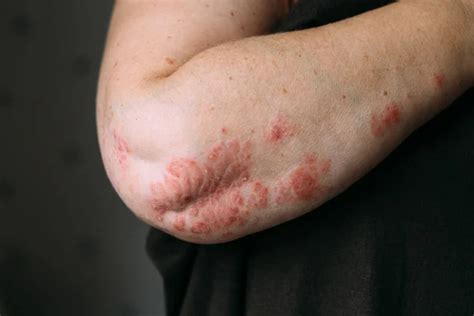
<point x="249" y="134"/>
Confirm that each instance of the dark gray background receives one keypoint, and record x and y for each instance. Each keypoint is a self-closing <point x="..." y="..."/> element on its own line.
<point x="68" y="246"/>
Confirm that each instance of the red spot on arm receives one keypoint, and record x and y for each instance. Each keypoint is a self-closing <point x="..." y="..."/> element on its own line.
<point x="438" y="80"/>
<point x="304" y="179"/>
<point x="200" y="228"/>
<point x="304" y="182"/>
<point x="278" y="130"/>
<point x="121" y="150"/>
<point x="258" y="196"/>
<point x="179" y="223"/>
<point x="386" y="120"/>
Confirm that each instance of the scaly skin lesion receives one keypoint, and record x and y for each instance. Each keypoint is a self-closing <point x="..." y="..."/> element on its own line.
<point x="252" y="133"/>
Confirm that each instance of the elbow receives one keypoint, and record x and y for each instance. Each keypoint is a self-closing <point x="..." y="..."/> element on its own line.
<point x="168" y="172"/>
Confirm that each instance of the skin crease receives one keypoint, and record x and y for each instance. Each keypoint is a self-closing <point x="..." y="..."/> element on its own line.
<point x="217" y="141"/>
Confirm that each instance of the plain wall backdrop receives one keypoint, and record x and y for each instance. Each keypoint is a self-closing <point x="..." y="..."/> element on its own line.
<point x="68" y="246"/>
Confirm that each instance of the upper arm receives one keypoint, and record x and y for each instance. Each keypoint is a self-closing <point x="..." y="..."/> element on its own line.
<point x="151" y="39"/>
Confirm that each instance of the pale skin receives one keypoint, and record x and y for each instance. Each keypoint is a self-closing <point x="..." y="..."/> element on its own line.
<point x="211" y="130"/>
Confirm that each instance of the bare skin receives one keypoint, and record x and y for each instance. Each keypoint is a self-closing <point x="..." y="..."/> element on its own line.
<point x="213" y="133"/>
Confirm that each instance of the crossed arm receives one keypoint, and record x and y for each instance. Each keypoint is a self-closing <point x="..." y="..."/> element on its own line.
<point x="211" y="130"/>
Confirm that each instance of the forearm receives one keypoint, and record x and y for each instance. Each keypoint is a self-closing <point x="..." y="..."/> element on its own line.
<point x="411" y="58"/>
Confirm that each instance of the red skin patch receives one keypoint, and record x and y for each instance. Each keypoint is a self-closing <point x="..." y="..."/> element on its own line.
<point x="258" y="196"/>
<point x="386" y="120"/>
<point x="438" y="80"/>
<point x="187" y="180"/>
<point x="303" y="183"/>
<point x="278" y="130"/>
<point x="179" y="223"/>
<point x="212" y="191"/>
<point x="121" y="150"/>
<point x="200" y="228"/>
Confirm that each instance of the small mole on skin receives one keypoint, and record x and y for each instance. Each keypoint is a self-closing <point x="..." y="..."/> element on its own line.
<point x="343" y="96"/>
<point x="232" y="13"/>
<point x="169" y="61"/>
<point x="284" y="91"/>
<point x="224" y="130"/>
<point x="315" y="72"/>
<point x="230" y="78"/>
<point x="385" y="93"/>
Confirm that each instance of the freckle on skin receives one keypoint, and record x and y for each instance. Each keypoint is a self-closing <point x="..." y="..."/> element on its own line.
<point x="232" y="13"/>
<point x="230" y="78"/>
<point x="284" y="91"/>
<point x="385" y="93"/>
<point x="169" y="61"/>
